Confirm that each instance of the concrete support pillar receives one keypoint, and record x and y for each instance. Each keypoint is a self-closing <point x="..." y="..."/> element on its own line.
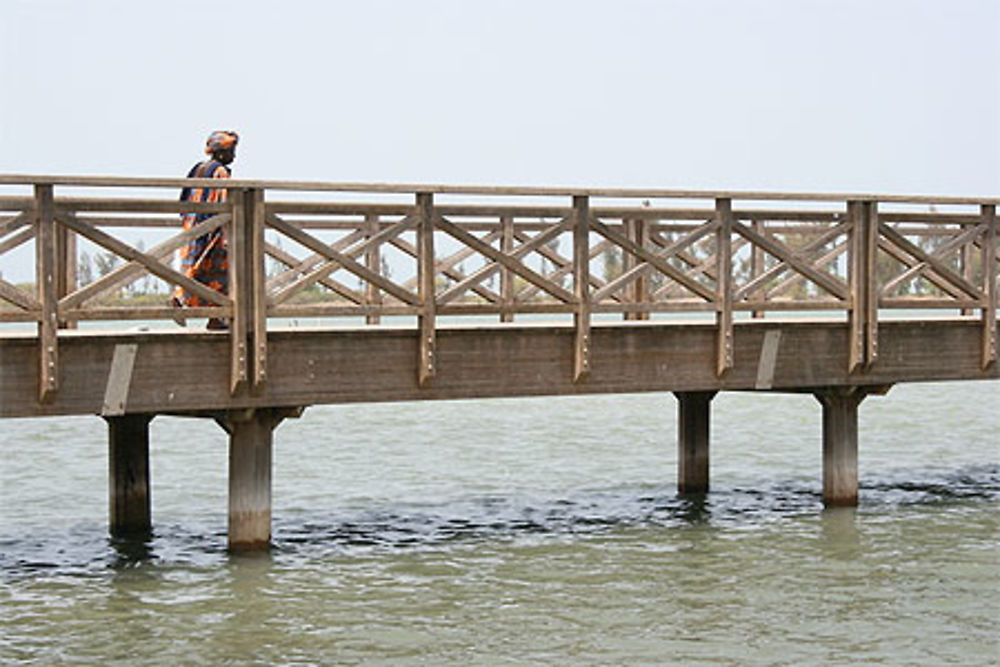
<point x="840" y="444"/>
<point x="693" y="413"/>
<point x="251" y="436"/>
<point x="128" y="475"/>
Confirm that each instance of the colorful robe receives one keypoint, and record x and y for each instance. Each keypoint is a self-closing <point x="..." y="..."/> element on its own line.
<point x="204" y="259"/>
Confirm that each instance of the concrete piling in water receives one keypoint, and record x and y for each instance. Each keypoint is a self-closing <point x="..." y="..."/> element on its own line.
<point x="693" y="417"/>
<point x="128" y="474"/>
<point x="840" y="444"/>
<point x="251" y="439"/>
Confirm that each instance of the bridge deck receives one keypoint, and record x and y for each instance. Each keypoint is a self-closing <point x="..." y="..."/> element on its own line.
<point x="188" y="371"/>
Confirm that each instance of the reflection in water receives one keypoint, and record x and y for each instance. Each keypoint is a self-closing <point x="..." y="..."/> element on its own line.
<point x="841" y="538"/>
<point x="131" y="550"/>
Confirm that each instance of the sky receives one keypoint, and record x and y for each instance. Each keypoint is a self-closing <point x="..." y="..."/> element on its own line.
<point x="886" y="96"/>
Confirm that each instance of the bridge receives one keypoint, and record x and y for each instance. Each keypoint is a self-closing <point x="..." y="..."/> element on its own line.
<point x="353" y="292"/>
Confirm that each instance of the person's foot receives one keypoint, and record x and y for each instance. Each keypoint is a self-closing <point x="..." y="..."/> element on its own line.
<point x="177" y="306"/>
<point x="217" y="324"/>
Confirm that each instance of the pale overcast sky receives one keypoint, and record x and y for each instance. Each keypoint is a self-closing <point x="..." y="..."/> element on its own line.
<point x="897" y="96"/>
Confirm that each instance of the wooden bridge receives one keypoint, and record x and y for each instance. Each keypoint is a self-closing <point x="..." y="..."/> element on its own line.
<point x="346" y="292"/>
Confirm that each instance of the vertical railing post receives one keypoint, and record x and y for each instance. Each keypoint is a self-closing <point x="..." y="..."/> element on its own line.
<point x="581" y="287"/>
<point x="239" y="287"/>
<point x="426" y="285"/>
<point x="45" y="282"/>
<point x="724" y="285"/>
<point x="257" y="222"/>
<point x="871" y="284"/>
<point x="637" y="231"/>
<point x="989" y="261"/>
<point x="856" y="279"/>
<point x="506" y="276"/>
<point x="65" y="267"/>
<point x="629" y="263"/>
<point x="641" y="284"/>
<point x="862" y="276"/>
<point x="966" y="262"/>
<point x="373" y="261"/>
<point x="757" y="265"/>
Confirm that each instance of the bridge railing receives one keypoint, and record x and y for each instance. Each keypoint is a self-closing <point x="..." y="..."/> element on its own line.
<point x="375" y="251"/>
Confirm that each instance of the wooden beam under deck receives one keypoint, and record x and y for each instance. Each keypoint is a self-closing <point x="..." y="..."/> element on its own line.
<point x="188" y="371"/>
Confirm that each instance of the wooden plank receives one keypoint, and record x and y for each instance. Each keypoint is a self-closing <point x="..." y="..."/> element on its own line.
<point x="757" y="266"/>
<point x="240" y="287"/>
<point x="16" y="240"/>
<point x="990" y="305"/>
<point x="446" y="267"/>
<point x="962" y="241"/>
<point x="821" y="262"/>
<point x="189" y="370"/>
<point x="724" y="287"/>
<point x="22" y="219"/>
<point x="786" y="254"/>
<point x="45" y="283"/>
<point x="581" y="288"/>
<point x="133" y="205"/>
<point x="506" y="277"/>
<point x="258" y="282"/>
<point x="921" y="255"/>
<point x="906" y="260"/>
<point x="373" y="260"/>
<point x="13" y="294"/>
<point x="119" y="380"/>
<point x="149" y="262"/>
<point x="342" y="259"/>
<point x="870" y="285"/>
<point x="297" y="266"/>
<point x="649" y="257"/>
<point x="426" y="326"/>
<point x="766" y="276"/>
<point x="387" y="234"/>
<point x="410" y="188"/>
<point x="768" y="360"/>
<point x="130" y="270"/>
<point x="126" y="313"/>
<point x="500" y="260"/>
<point x="857" y="279"/>
<point x="65" y="250"/>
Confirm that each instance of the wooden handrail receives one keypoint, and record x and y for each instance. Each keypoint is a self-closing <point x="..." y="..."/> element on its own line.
<point x="852" y="254"/>
<point x="483" y="190"/>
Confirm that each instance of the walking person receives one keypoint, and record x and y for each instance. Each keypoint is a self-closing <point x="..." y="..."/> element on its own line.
<point x="206" y="259"/>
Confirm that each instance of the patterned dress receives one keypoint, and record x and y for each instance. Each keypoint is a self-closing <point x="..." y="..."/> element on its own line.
<point x="204" y="259"/>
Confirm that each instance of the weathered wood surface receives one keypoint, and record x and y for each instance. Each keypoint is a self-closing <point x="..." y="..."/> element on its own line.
<point x="469" y="251"/>
<point x="485" y="190"/>
<point x="190" y="371"/>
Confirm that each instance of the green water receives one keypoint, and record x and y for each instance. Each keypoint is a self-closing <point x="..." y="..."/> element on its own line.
<point x="541" y="531"/>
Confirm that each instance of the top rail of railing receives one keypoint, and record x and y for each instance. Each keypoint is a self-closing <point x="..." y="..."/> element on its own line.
<point x="486" y="190"/>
